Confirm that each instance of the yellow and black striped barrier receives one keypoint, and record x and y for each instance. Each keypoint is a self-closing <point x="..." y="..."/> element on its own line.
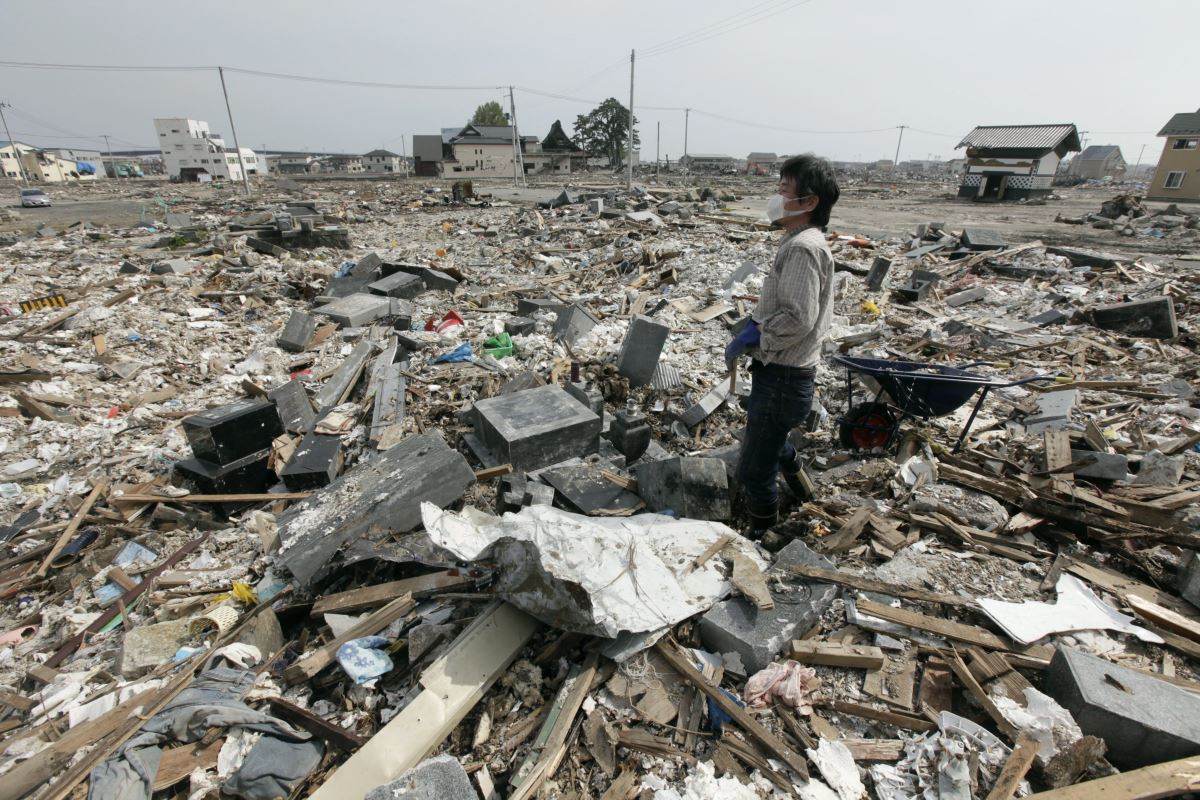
<point x="49" y="301"/>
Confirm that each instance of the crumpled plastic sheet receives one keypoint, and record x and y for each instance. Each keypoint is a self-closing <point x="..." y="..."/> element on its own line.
<point x="837" y="767"/>
<point x="364" y="659"/>
<point x="790" y="683"/>
<point x="1042" y="718"/>
<point x="214" y="700"/>
<point x="938" y="765"/>
<point x="701" y="783"/>
<point x="1077" y="608"/>
<point x="599" y="576"/>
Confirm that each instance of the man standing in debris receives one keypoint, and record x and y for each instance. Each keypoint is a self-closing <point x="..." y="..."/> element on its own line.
<point x="784" y="335"/>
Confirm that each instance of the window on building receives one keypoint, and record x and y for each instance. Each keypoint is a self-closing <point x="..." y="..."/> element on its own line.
<point x="1185" y="144"/>
<point x="174" y="130"/>
<point x="1174" y="180"/>
<point x="178" y="147"/>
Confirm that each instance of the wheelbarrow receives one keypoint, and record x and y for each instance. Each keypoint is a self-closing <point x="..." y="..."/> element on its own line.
<point x="913" y="389"/>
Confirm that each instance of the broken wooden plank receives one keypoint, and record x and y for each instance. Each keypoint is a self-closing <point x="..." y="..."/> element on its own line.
<point x="1168" y="779"/>
<point x="265" y="497"/>
<point x="874" y="749"/>
<point x="748" y="579"/>
<point x="956" y="631"/>
<point x="335" y="735"/>
<point x="177" y="763"/>
<point x="371" y="596"/>
<point x="452" y="686"/>
<point x="709" y="552"/>
<point x="847" y="535"/>
<point x="965" y="677"/>
<point x="1015" y="767"/>
<point x="1164" y="617"/>
<point x="905" y="721"/>
<point x="837" y="654"/>
<point x="314" y="662"/>
<point x="865" y="584"/>
<point x="683" y="665"/>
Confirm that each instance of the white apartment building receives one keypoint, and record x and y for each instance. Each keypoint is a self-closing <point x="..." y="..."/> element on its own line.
<point x="190" y="152"/>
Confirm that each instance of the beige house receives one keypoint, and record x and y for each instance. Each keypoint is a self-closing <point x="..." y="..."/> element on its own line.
<point x="1099" y="161"/>
<point x="481" y="151"/>
<point x="382" y="162"/>
<point x="1178" y="175"/>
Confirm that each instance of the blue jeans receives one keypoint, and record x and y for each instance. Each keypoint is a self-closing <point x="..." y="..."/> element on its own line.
<point x="780" y="399"/>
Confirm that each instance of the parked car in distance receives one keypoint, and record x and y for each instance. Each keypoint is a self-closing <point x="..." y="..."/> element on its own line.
<point x="31" y="198"/>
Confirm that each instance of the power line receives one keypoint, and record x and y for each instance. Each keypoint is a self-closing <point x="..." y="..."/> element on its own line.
<point x="709" y="27"/>
<point x="747" y="21"/>
<point x="765" y="126"/>
<point x="364" y="84"/>
<point x="103" y="67"/>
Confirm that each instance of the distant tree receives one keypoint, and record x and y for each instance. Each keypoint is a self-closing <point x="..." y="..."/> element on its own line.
<point x="490" y="113"/>
<point x="605" y="130"/>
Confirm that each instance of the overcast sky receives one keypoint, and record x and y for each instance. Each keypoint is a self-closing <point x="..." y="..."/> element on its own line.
<point x="772" y="70"/>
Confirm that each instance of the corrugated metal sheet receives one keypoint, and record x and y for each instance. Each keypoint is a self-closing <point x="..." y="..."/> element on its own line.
<point x="1182" y="124"/>
<point x="1098" y="152"/>
<point x="1019" y="137"/>
<point x="666" y="378"/>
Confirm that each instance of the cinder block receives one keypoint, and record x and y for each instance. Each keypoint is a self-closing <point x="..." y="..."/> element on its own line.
<point x="706" y="405"/>
<point x="356" y="310"/>
<point x="297" y="333"/>
<point x="1053" y="411"/>
<point x="535" y="428"/>
<point x="737" y="628"/>
<point x="877" y="273"/>
<point x="400" y="284"/>
<point x="528" y="306"/>
<point x="224" y="434"/>
<point x="367" y="266"/>
<point x="347" y="285"/>
<point x="1047" y="318"/>
<point x="316" y="463"/>
<point x="966" y="296"/>
<point x="641" y="349"/>
<point x="573" y="323"/>
<point x="1142" y="720"/>
<point x="1153" y="317"/>
<point x="982" y="239"/>
<point x="692" y="487"/>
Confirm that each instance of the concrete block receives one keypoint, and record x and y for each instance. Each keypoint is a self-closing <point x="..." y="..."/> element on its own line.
<point x="877" y="273"/>
<point x="919" y="285"/>
<point x="1153" y="317"/>
<point x="692" y="487"/>
<point x="437" y="778"/>
<point x="1188" y="580"/>
<point x="517" y="491"/>
<point x="1142" y="720"/>
<point x="527" y="306"/>
<point x="389" y="406"/>
<point x="573" y="323"/>
<point x="401" y="284"/>
<point x="740" y="632"/>
<point x="248" y="474"/>
<point x="316" y="463"/>
<point x="385" y="492"/>
<point x="1047" y="318"/>
<point x="347" y="285"/>
<point x="179" y="221"/>
<point x="595" y="205"/>
<point x="982" y="239"/>
<point x="593" y="399"/>
<point x="1157" y="469"/>
<point x="401" y="312"/>
<point x="356" y="310"/>
<point x="1053" y="411"/>
<point x="966" y="296"/>
<point x="641" y="349"/>
<point x="174" y="266"/>
<point x="144" y="647"/>
<point x="535" y="428"/>
<point x="1106" y="466"/>
<point x="297" y="333"/>
<point x="437" y="281"/>
<point x="226" y="433"/>
<point x="519" y="326"/>
<point x="367" y="267"/>
<point x="292" y="405"/>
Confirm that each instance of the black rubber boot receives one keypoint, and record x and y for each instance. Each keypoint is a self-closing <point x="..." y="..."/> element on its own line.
<point x="762" y="519"/>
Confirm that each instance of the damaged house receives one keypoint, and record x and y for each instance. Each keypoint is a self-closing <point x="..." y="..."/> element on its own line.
<point x="1014" y="162"/>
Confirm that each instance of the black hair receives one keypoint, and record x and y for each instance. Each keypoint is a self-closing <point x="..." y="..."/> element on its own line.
<point x="813" y="175"/>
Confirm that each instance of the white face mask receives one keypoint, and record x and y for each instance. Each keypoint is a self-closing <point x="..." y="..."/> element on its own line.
<point x="775" y="209"/>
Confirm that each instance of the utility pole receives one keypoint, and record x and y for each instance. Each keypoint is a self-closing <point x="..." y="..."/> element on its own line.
<point x="13" y="145"/>
<point x="518" y="159"/>
<point x="1139" y="162"/>
<point x="404" y="155"/>
<point x="629" y="178"/>
<point x="657" y="143"/>
<point x="108" y="147"/>
<point x="233" y="130"/>
<point x="687" y="112"/>
<point x="896" y="160"/>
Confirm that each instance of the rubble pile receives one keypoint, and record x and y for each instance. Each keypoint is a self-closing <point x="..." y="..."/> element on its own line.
<point x="1127" y="216"/>
<point x="401" y="491"/>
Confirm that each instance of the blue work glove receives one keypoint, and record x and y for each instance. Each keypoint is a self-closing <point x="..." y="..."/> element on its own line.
<point x="741" y="343"/>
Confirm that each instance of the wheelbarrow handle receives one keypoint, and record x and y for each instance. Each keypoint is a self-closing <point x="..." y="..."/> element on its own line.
<point x="996" y="364"/>
<point x="1054" y="378"/>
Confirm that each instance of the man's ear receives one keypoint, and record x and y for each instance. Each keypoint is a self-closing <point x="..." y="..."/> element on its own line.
<point x="808" y="204"/>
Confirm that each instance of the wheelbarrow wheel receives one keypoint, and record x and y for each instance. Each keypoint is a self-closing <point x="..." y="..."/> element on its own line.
<point x="867" y="426"/>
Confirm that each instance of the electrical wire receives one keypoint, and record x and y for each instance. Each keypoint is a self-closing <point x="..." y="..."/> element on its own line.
<point x="712" y="27"/>
<point x="103" y="67"/>
<point x="364" y="84"/>
<point x="765" y="126"/>
<point x="746" y="21"/>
